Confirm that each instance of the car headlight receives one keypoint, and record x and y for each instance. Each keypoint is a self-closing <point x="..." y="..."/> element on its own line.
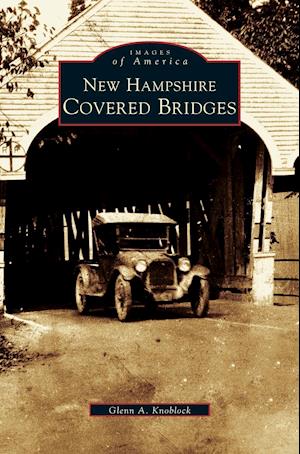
<point x="141" y="266"/>
<point x="184" y="264"/>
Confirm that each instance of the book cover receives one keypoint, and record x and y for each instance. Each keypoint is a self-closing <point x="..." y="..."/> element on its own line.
<point x="149" y="241"/>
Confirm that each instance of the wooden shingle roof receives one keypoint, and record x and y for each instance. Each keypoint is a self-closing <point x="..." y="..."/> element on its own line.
<point x="269" y="104"/>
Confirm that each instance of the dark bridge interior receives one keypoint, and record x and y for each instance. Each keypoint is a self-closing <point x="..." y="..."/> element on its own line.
<point x="103" y="166"/>
<point x="178" y="171"/>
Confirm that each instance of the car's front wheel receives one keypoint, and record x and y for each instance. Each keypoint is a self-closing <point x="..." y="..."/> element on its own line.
<point x="123" y="298"/>
<point x="200" y="297"/>
<point x="80" y="298"/>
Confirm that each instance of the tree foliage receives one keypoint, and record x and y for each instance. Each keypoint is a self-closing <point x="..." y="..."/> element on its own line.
<point x="271" y="30"/>
<point x="18" y="40"/>
<point x="18" y="43"/>
<point x="77" y="6"/>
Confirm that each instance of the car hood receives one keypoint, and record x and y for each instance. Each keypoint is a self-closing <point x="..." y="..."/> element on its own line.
<point x="130" y="258"/>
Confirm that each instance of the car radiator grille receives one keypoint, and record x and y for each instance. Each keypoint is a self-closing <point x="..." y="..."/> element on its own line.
<point x="161" y="273"/>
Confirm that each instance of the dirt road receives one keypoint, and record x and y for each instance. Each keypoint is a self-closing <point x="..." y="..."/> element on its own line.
<point x="242" y="359"/>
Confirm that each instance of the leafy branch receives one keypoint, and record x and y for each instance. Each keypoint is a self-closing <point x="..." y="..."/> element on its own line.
<point x="18" y="44"/>
<point x="270" y="30"/>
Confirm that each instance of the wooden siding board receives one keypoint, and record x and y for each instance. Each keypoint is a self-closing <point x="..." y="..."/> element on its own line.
<point x="286" y="269"/>
<point x="285" y="300"/>
<point x="287" y="287"/>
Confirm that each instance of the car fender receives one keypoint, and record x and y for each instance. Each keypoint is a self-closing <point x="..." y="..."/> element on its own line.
<point x="199" y="271"/>
<point x="127" y="273"/>
<point x="85" y="273"/>
<point x="90" y="277"/>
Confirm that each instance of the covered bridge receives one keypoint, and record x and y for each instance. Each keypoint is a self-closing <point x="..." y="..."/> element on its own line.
<point x="232" y="189"/>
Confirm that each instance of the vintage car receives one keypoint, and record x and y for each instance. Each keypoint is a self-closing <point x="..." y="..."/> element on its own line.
<point x="136" y="262"/>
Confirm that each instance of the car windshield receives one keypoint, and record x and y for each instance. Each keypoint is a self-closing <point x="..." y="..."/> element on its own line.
<point x="143" y="236"/>
<point x="105" y="239"/>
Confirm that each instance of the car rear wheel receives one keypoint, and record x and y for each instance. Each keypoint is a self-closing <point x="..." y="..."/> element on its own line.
<point x="123" y="298"/>
<point x="80" y="298"/>
<point x="200" y="298"/>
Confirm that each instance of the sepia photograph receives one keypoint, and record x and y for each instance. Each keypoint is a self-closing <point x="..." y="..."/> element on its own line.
<point x="149" y="226"/>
